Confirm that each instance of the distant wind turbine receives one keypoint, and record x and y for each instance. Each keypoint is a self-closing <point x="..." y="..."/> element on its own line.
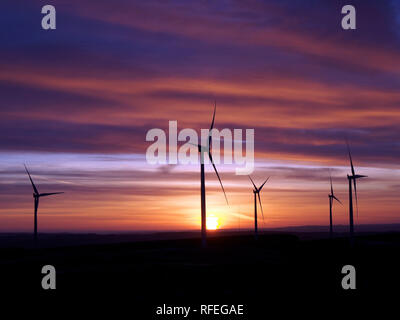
<point x="331" y="198"/>
<point x="207" y="150"/>
<point x="353" y="179"/>
<point x="36" y="196"/>
<point x="256" y="192"/>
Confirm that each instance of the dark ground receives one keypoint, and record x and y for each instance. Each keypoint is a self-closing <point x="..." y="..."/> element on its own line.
<point x="287" y="273"/>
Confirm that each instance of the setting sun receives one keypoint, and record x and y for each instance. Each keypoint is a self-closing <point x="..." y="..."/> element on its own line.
<point x="212" y="222"/>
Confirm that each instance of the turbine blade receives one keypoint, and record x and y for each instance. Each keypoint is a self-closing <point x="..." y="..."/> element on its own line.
<point x="216" y="172"/>
<point x="33" y="185"/>
<point x="336" y="199"/>
<point x="255" y="188"/>
<point x="194" y="144"/>
<point x="212" y="125"/>
<point x="263" y="184"/>
<point x="351" y="160"/>
<point x="213" y="119"/>
<point x="49" y="194"/>
<point x="355" y="193"/>
<point x="359" y="176"/>
<point x="259" y="200"/>
<point x="198" y="146"/>
<point x="330" y="177"/>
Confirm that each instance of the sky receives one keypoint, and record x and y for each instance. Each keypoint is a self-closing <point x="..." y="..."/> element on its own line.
<point x="77" y="102"/>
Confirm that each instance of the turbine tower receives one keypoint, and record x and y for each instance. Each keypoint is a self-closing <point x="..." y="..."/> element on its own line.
<point x="256" y="192"/>
<point x="352" y="179"/>
<point x="36" y="196"/>
<point x="331" y="198"/>
<point x="207" y="150"/>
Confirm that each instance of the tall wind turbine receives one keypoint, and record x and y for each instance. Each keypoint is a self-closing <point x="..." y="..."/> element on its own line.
<point x="331" y="198"/>
<point x="207" y="150"/>
<point x="36" y="196"/>
<point x="352" y="179"/>
<point x="256" y="192"/>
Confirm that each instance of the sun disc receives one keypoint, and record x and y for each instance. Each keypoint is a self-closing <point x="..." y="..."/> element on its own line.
<point x="212" y="222"/>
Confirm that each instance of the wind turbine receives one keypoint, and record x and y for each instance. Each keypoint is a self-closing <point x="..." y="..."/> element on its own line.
<point x="36" y="196"/>
<point x="353" y="179"/>
<point x="331" y="198"/>
<point x="207" y="150"/>
<point x="256" y="192"/>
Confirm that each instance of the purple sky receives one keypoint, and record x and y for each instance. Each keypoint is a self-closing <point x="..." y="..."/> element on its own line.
<point x="77" y="103"/>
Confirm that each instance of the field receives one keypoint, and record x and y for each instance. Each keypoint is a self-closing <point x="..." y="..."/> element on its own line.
<point x="280" y="269"/>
